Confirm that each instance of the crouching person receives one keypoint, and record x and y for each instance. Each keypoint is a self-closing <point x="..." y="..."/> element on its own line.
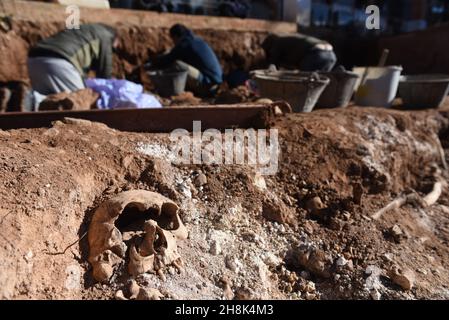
<point x="298" y="51"/>
<point x="60" y="63"/>
<point x="193" y="55"/>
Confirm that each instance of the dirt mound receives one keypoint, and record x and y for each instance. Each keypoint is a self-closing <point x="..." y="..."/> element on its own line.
<point x="336" y="169"/>
<point x="84" y="99"/>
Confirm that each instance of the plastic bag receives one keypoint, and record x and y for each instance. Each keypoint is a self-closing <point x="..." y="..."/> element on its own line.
<point x="121" y="94"/>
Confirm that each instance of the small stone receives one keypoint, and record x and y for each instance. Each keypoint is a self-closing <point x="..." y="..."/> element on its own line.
<point x="341" y="262"/>
<point x="310" y="296"/>
<point x="149" y="294"/>
<point x="309" y="227"/>
<point x="259" y="182"/>
<point x="375" y="294"/>
<point x="315" y="261"/>
<point x="278" y="212"/>
<point x="233" y="264"/>
<point x="227" y="292"/>
<point x="315" y="204"/>
<point x="422" y="271"/>
<point x="396" y="233"/>
<point x="243" y="293"/>
<point x="387" y="257"/>
<point x="215" y="248"/>
<point x="133" y="289"/>
<point x="405" y="277"/>
<point x="200" y="180"/>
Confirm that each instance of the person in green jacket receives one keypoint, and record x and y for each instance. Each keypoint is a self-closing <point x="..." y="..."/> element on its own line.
<point x="299" y="51"/>
<point x="60" y="63"/>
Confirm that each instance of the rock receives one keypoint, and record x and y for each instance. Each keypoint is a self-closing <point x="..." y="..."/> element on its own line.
<point x="227" y="292"/>
<point x="396" y="233"/>
<point x="271" y="260"/>
<point x="149" y="294"/>
<point x="185" y="98"/>
<point x="315" y="205"/>
<point x="200" y="180"/>
<point x="375" y="294"/>
<point x="309" y="227"/>
<point x="278" y="212"/>
<point x="84" y="99"/>
<point x="243" y="293"/>
<point x="341" y="262"/>
<point x="315" y="261"/>
<point x="215" y="248"/>
<point x="161" y="174"/>
<point x="259" y="182"/>
<point x="233" y="264"/>
<point x="405" y="277"/>
<point x="133" y="289"/>
<point x="119" y="295"/>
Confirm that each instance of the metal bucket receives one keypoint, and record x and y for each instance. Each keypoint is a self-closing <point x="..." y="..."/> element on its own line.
<point x="380" y="87"/>
<point x="300" y="89"/>
<point x="423" y="91"/>
<point x="168" y="83"/>
<point x="339" y="91"/>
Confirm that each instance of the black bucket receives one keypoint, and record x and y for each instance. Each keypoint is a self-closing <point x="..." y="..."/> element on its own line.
<point x="339" y="91"/>
<point x="168" y="83"/>
<point x="423" y="91"/>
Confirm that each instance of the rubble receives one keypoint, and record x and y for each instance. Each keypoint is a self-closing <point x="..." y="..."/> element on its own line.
<point x="84" y="99"/>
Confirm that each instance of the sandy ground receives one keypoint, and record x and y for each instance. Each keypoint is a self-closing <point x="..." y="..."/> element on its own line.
<point x="336" y="169"/>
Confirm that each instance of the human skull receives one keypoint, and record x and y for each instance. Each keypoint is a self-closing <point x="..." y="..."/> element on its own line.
<point x="157" y="247"/>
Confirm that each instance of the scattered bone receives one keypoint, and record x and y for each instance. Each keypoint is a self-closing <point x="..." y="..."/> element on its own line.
<point x="435" y="194"/>
<point x="393" y="205"/>
<point x="158" y="247"/>
<point x="412" y="198"/>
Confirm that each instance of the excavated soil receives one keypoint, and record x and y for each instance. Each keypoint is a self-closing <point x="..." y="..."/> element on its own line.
<point x="336" y="169"/>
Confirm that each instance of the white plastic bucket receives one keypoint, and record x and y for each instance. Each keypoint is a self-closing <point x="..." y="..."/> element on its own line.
<point x="380" y="88"/>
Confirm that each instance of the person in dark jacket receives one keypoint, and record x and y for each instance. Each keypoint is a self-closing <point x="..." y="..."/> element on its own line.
<point x="298" y="51"/>
<point x="60" y="63"/>
<point x="194" y="55"/>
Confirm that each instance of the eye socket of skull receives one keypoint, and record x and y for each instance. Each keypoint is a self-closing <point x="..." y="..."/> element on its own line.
<point x="134" y="215"/>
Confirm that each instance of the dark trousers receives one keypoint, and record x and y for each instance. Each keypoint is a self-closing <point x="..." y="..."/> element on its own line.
<point x="318" y="60"/>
